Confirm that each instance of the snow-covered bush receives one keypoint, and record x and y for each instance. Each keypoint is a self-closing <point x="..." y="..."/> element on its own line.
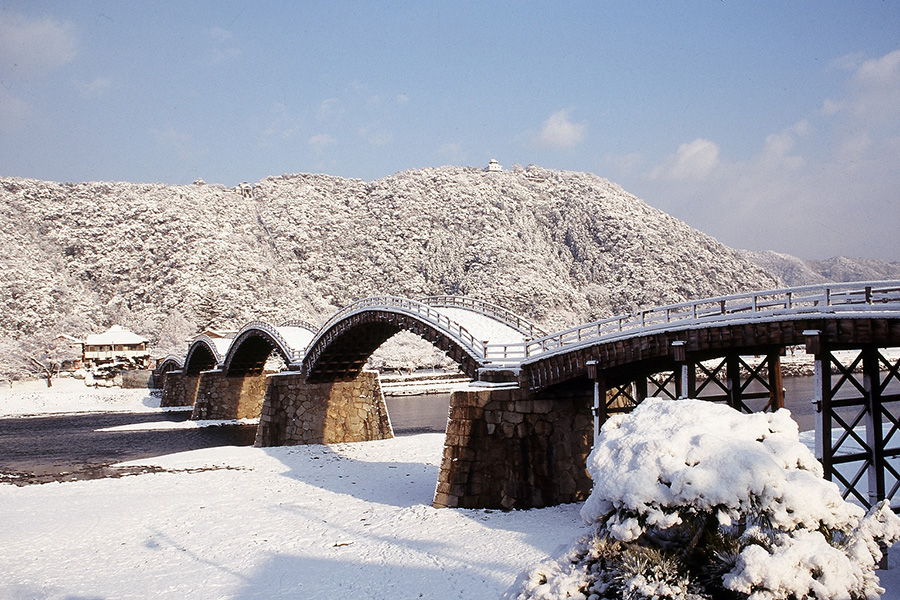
<point x="695" y="500"/>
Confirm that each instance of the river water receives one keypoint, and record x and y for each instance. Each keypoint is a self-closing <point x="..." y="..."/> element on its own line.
<point x="418" y="414"/>
<point x="56" y="448"/>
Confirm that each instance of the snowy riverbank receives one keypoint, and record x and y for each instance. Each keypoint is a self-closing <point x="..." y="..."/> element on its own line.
<point x="350" y="520"/>
<point x="304" y="522"/>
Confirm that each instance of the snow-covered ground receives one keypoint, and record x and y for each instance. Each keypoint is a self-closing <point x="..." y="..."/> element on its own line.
<point x="69" y="395"/>
<point x="349" y="520"/>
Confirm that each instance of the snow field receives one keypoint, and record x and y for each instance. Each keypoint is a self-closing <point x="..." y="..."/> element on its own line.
<point x="352" y="520"/>
<point x="68" y="395"/>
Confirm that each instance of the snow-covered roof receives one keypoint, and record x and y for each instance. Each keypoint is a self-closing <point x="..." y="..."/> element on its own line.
<point x="115" y="335"/>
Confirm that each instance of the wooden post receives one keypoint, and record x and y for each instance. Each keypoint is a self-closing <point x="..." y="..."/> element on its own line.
<point x="639" y="389"/>
<point x="822" y="399"/>
<point x="680" y="374"/>
<point x="776" y="385"/>
<point x="599" y="409"/>
<point x="733" y="376"/>
<point x="874" y="421"/>
<point x="690" y="371"/>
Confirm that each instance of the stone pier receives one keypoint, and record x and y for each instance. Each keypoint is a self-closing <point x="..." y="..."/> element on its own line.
<point x="295" y="412"/>
<point x="222" y="397"/>
<point x="508" y="449"/>
<point x="179" y="389"/>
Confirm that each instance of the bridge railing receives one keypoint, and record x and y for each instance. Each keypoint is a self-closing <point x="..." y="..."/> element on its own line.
<point x="300" y="323"/>
<point x="488" y="309"/>
<point x="427" y="313"/>
<point x="806" y="299"/>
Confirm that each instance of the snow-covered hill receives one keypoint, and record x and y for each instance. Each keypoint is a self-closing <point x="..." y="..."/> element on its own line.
<point x="558" y="247"/>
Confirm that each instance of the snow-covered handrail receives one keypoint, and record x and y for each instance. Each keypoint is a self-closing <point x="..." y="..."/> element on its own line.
<point x="414" y="308"/>
<point x="871" y="296"/>
<point x="300" y="323"/>
<point x="498" y="313"/>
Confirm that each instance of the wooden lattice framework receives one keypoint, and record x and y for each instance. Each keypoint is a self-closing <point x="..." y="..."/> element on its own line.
<point x="857" y="421"/>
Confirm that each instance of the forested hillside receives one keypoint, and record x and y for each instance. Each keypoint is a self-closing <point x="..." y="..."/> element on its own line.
<point x="558" y="247"/>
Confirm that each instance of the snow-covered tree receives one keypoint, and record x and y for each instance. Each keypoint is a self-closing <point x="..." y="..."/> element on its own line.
<point x="694" y="500"/>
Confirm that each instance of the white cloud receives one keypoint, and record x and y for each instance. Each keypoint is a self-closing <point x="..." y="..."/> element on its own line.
<point x="822" y="187"/>
<point x="560" y="132"/>
<point x="321" y="141"/>
<point x="776" y="151"/>
<point x="330" y="109"/>
<point x="281" y="122"/>
<point x="223" y="48"/>
<point x="220" y="34"/>
<point x="830" y="107"/>
<point x="376" y="136"/>
<point x="28" y="45"/>
<point x="875" y="90"/>
<point x="13" y="112"/>
<point x="692" y="161"/>
<point x="848" y="62"/>
<point x="880" y="71"/>
<point x="94" y="88"/>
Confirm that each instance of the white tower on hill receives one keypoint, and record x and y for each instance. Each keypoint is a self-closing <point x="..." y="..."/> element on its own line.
<point x="493" y="166"/>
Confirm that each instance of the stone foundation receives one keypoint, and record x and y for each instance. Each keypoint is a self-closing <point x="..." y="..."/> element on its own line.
<point x="137" y="379"/>
<point x="179" y="389"/>
<point x="508" y="449"/>
<point x="222" y="397"/>
<point x="295" y="412"/>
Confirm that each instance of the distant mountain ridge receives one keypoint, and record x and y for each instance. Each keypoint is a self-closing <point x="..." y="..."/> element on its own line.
<point x="558" y="247"/>
<point x="793" y="271"/>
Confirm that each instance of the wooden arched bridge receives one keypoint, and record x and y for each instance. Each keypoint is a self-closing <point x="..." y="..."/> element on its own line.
<point x="520" y="434"/>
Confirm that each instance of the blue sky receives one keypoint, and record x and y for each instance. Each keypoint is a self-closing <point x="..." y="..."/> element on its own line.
<point x="769" y="125"/>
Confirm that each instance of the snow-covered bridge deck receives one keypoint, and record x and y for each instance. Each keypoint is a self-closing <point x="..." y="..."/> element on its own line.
<point x="489" y="336"/>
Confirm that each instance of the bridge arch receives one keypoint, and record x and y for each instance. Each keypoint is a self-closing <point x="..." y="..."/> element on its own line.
<point x="169" y="363"/>
<point x="202" y="355"/>
<point x="256" y="341"/>
<point x="343" y="345"/>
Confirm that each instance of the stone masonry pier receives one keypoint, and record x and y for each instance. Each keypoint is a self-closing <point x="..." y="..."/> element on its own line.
<point x="511" y="449"/>
<point x="179" y="389"/>
<point x="295" y="412"/>
<point x="222" y="397"/>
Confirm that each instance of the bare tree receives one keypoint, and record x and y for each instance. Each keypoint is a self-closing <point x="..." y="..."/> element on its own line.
<point x="49" y="370"/>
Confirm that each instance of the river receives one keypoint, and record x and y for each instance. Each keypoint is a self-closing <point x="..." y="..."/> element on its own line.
<point x="67" y="447"/>
<point x="417" y="414"/>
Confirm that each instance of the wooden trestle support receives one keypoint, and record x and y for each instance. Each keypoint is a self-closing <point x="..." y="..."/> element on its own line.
<point x="730" y="380"/>
<point x="857" y="422"/>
